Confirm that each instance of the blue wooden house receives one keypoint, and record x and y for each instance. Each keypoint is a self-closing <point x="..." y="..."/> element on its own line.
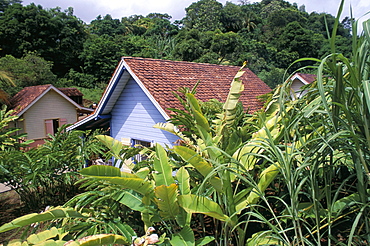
<point x="140" y="93"/>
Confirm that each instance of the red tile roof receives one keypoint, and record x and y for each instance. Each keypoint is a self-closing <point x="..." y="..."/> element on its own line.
<point x="161" y="77"/>
<point x="309" y="78"/>
<point x="71" y="92"/>
<point x="28" y="95"/>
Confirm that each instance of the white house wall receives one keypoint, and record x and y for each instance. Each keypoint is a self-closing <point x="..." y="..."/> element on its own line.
<point x="296" y="85"/>
<point x="134" y="116"/>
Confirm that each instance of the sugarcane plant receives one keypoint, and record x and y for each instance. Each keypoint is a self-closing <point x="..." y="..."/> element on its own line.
<point x="323" y="156"/>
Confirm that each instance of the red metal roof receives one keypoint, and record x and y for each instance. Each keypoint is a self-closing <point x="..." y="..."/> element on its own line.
<point x="161" y="77"/>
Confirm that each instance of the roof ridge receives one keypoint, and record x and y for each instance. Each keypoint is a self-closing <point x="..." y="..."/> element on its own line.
<point x="177" y="61"/>
<point x="307" y="73"/>
<point x="38" y="86"/>
<point x="27" y="96"/>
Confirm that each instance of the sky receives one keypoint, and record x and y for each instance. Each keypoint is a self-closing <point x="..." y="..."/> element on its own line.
<point x="88" y="10"/>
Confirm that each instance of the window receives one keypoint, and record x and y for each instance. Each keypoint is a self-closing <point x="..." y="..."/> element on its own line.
<point x="140" y="144"/>
<point x="52" y="125"/>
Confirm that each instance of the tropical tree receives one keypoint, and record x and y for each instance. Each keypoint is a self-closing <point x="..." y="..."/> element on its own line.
<point x="106" y="26"/>
<point x="56" y="35"/>
<point x="100" y="56"/>
<point x="9" y="139"/>
<point x="29" y="70"/>
<point x="204" y="15"/>
<point x="5" y="80"/>
<point x="40" y="173"/>
<point x="5" y="3"/>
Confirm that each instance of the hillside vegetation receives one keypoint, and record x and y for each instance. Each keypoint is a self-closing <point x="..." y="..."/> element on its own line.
<point x="39" y="46"/>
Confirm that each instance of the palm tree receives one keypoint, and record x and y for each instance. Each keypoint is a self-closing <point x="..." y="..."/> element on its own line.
<point x="5" y="80"/>
<point x="248" y="23"/>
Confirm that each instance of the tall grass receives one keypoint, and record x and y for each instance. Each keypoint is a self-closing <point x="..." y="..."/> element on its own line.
<point x="322" y="192"/>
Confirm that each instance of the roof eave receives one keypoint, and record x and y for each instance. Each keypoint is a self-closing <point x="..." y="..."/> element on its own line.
<point x="300" y="78"/>
<point x="104" y="99"/>
<point x="146" y="91"/>
<point x="51" y="87"/>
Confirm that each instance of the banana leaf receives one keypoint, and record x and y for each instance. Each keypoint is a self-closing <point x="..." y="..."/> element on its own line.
<point x="184" y="238"/>
<point x="183" y="218"/>
<point x="263" y="238"/>
<point x="131" y="199"/>
<point x="199" y="204"/>
<point x="51" y="242"/>
<point x="44" y="236"/>
<point x="114" y="145"/>
<point x="100" y="239"/>
<point x="183" y="178"/>
<point x="166" y="200"/>
<point x="198" y="162"/>
<point x="204" y="240"/>
<point x="163" y="174"/>
<point x="55" y="213"/>
<point x="101" y="170"/>
<point x="236" y="88"/>
<point x="126" y="180"/>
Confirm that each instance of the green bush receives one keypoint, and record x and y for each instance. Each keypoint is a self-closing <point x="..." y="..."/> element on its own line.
<point x="46" y="175"/>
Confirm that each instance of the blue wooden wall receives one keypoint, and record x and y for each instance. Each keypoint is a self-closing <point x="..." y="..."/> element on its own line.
<point x="134" y="116"/>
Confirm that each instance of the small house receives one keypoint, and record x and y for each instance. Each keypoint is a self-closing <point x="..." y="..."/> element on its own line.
<point x="139" y="95"/>
<point x="44" y="108"/>
<point x="298" y="80"/>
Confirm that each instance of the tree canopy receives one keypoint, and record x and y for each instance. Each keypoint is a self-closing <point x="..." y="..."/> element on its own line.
<point x="269" y="35"/>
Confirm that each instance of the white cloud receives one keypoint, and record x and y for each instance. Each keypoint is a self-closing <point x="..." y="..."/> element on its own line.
<point x="88" y="10"/>
<point x="118" y="8"/>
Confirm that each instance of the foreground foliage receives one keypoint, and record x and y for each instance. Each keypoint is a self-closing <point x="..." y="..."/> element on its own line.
<point x="296" y="173"/>
<point x="45" y="175"/>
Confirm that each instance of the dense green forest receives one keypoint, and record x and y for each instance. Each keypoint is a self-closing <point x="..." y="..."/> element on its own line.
<point x="39" y="46"/>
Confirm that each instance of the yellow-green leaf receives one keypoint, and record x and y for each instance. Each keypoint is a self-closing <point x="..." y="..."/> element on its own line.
<point x="55" y="213"/>
<point x="101" y="239"/>
<point x="166" y="200"/>
<point x="199" y="204"/>
<point x="43" y="236"/>
<point x="101" y="170"/>
<point x="163" y="175"/>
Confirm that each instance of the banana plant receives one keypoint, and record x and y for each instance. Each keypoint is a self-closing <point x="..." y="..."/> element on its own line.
<point x="154" y="193"/>
<point x="222" y="158"/>
<point x="9" y="138"/>
<point x="48" y="237"/>
<point x="59" y="236"/>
